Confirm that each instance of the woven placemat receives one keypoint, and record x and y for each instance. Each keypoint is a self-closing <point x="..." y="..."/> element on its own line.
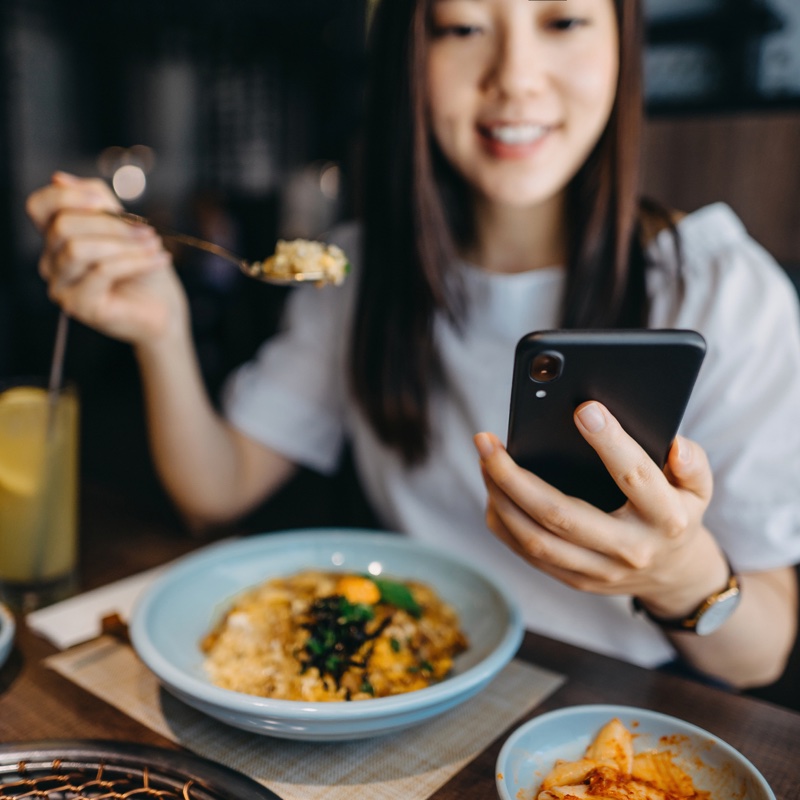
<point x="408" y="765"/>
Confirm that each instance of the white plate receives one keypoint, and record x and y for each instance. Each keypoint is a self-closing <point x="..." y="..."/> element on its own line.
<point x="7" y="629"/>
<point x="180" y="607"/>
<point x="714" y="766"/>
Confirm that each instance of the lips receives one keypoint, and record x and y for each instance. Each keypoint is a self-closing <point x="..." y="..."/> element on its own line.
<point x="514" y="140"/>
<point x="515" y="133"/>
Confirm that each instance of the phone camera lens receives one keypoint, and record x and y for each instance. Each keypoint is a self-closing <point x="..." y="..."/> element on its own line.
<point x="546" y="367"/>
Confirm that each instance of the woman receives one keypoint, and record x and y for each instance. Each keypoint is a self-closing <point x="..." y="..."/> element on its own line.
<point x="500" y="198"/>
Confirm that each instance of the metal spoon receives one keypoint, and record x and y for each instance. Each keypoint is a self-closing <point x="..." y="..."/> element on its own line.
<point x="260" y="270"/>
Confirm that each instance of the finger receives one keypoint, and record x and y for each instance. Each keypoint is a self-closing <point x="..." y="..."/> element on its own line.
<point x="72" y="223"/>
<point x="62" y="178"/>
<point x="599" y="583"/>
<point x="567" y="517"/>
<point x="688" y="468"/>
<point x="494" y="521"/>
<point x="60" y="250"/>
<point x="539" y="545"/>
<point x="92" y="186"/>
<point x="496" y="525"/>
<point x="93" y="299"/>
<point x="637" y="475"/>
<point x="77" y="256"/>
<point x="44" y="203"/>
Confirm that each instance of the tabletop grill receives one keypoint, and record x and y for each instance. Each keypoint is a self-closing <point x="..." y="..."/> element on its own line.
<point x="94" y="770"/>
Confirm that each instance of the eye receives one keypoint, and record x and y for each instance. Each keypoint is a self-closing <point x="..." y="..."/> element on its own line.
<point x="456" y="31"/>
<point x="567" y="23"/>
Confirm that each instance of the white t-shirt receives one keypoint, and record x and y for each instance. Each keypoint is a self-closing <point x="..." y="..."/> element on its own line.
<point x="294" y="398"/>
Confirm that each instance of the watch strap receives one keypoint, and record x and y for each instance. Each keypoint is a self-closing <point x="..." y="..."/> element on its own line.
<point x="689" y="622"/>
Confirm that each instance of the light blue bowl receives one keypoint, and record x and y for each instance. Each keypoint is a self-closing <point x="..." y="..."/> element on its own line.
<point x="7" y="629"/>
<point x="714" y="766"/>
<point x="174" y="614"/>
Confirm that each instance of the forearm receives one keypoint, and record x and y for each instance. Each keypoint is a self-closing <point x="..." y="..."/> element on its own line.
<point x="751" y="648"/>
<point x="200" y="459"/>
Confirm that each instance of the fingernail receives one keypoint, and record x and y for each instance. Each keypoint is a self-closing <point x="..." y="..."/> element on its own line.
<point x="485" y="444"/>
<point x="592" y="418"/>
<point x="684" y="450"/>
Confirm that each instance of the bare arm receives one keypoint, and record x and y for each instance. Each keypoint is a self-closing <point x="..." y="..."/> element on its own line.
<point x="213" y="472"/>
<point x="118" y="279"/>
<point x="752" y="647"/>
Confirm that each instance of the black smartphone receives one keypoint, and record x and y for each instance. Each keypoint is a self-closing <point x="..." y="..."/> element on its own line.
<point x="643" y="377"/>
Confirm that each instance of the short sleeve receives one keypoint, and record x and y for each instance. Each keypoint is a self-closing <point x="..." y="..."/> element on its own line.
<point x="745" y="409"/>
<point x="291" y="396"/>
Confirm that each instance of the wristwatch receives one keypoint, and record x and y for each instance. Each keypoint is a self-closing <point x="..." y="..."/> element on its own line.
<point x="709" y="616"/>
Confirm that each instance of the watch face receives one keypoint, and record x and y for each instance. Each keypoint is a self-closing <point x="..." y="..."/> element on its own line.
<point x="715" y="615"/>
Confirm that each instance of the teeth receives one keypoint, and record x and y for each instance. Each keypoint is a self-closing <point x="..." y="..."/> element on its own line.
<point x="518" y="134"/>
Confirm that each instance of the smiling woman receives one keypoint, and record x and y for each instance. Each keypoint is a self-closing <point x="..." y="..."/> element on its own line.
<point x="500" y="196"/>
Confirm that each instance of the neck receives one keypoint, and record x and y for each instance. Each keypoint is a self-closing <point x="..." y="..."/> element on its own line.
<point x="509" y="239"/>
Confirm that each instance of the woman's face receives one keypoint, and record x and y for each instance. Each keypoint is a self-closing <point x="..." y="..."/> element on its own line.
<point x="519" y="91"/>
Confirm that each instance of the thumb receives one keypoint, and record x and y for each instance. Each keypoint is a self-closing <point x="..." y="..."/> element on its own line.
<point x="688" y="468"/>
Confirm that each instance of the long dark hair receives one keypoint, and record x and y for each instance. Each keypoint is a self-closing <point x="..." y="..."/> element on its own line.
<point x="414" y="214"/>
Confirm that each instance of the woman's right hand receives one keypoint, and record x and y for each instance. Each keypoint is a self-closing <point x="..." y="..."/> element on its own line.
<point x="108" y="274"/>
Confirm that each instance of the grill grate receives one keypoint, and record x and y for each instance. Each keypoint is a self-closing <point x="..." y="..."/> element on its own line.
<point x="95" y="770"/>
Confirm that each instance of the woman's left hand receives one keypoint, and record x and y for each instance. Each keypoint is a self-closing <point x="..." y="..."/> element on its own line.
<point x="654" y="547"/>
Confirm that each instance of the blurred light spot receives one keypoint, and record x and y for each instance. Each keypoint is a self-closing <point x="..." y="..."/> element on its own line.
<point x="129" y="182"/>
<point x="338" y="559"/>
<point x="142" y="155"/>
<point x="329" y="180"/>
<point x="375" y="568"/>
<point x="110" y="159"/>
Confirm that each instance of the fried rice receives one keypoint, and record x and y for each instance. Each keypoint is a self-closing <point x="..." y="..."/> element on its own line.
<point x="326" y="636"/>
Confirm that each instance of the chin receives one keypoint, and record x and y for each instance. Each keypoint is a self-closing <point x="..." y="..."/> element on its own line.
<point x="519" y="195"/>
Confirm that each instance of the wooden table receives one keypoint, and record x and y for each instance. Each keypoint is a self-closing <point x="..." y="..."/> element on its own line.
<point x="120" y="538"/>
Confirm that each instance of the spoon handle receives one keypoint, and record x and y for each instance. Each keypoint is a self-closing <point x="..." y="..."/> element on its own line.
<point x="182" y="238"/>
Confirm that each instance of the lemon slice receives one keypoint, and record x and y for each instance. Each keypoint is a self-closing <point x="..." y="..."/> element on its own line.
<point x="23" y="421"/>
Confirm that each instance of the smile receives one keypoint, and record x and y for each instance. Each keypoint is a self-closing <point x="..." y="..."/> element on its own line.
<point x="517" y="134"/>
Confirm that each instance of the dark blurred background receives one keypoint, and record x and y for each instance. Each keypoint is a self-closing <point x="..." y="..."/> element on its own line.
<point x="239" y="121"/>
<point x="236" y="121"/>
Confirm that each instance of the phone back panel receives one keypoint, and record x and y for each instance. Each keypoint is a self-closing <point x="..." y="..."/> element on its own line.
<point x="644" y="378"/>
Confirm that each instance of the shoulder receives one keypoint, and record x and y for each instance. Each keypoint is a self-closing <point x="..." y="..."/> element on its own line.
<point x="711" y="234"/>
<point x="712" y="254"/>
<point x="724" y="284"/>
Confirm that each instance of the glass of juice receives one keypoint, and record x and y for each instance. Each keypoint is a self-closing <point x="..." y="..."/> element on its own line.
<point x="38" y="493"/>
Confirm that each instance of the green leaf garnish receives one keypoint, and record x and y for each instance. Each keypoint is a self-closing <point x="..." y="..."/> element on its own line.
<point x="397" y="594"/>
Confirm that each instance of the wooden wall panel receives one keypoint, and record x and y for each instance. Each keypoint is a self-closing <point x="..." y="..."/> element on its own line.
<point x="750" y="161"/>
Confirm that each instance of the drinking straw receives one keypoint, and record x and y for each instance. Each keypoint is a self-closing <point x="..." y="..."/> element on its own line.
<point x="56" y="371"/>
<point x="53" y="391"/>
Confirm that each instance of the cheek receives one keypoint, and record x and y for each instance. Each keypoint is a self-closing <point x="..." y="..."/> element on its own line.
<point x="593" y="85"/>
<point x="449" y="93"/>
<point x="440" y="78"/>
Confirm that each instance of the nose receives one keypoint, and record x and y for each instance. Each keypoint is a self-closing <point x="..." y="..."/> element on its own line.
<point x="518" y="64"/>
